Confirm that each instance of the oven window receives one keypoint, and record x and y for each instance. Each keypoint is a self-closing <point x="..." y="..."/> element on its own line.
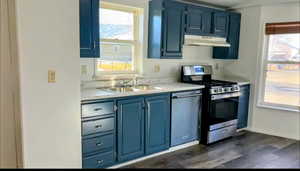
<point x="224" y="110"/>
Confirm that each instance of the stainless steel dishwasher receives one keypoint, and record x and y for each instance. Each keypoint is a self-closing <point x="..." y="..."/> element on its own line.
<point x="186" y="111"/>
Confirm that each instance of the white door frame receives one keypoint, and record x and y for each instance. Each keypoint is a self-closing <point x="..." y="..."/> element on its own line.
<point x="11" y="155"/>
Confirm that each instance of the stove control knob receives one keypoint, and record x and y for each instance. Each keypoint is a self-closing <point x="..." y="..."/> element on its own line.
<point x="223" y="90"/>
<point x="236" y="88"/>
<point x="220" y="90"/>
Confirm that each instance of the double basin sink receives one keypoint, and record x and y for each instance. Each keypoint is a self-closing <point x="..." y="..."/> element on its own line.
<point x="126" y="89"/>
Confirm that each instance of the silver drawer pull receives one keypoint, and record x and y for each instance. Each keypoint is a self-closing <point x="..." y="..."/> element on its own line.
<point x="100" y="161"/>
<point x="99" y="144"/>
<point x="98" y="109"/>
<point x="98" y="126"/>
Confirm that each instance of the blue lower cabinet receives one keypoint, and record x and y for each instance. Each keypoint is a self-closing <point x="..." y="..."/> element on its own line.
<point x="157" y="123"/>
<point x="131" y="129"/>
<point x="141" y="127"/>
<point x="243" y="107"/>
<point x="98" y="134"/>
<point x="101" y="160"/>
<point x="100" y="143"/>
<point x="98" y="126"/>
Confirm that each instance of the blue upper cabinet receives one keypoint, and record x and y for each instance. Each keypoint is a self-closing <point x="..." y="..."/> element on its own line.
<point x="173" y="33"/>
<point x="89" y="29"/>
<point x="198" y="20"/>
<point x="233" y="38"/>
<point x="166" y="29"/>
<point x="131" y="128"/>
<point x="157" y="123"/>
<point x="220" y="23"/>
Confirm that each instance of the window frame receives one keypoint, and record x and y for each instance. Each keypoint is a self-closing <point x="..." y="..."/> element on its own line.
<point x="263" y="79"/>
<point x="135" y="42"/>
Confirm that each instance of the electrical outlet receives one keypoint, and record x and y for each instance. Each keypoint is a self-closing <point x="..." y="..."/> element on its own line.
<point x="157" y="68"/>
<point x="217" y="67"/>
<point x="51" y="76"/>
<point x="84" y="69"/>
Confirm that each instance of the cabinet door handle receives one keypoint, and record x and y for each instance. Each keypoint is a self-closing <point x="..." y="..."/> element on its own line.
<point x="100" y="161"/>
<point x="95" y="44"/>
<point x="98" y="109"/>
<point x="98" y="126"/>
<point x="99" y="144"/>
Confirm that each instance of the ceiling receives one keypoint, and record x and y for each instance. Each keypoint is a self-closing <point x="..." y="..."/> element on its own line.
<point x="240" y="3"/>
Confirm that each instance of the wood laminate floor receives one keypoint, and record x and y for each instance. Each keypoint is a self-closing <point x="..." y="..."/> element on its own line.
<point x="245" y="150"/>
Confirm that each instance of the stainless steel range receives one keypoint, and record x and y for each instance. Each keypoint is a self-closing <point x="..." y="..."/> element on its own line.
<point x="219" y="105"/>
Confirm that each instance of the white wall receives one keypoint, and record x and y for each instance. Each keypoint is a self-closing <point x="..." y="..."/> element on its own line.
<point x="268" y="121"/>
<point x="48" y="32"/>
<point x="168" y="67"/>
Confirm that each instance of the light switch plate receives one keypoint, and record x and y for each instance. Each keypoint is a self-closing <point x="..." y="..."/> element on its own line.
<point x="51" y="76"/>
<point x="157" y="68"/>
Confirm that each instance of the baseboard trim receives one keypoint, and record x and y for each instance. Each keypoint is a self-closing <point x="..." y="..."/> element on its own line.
<point x="273" y="134"/>
<point x="172" y="149"/>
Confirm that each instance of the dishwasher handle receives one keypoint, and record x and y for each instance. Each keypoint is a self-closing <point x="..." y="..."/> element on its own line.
<point x="186" y="96"/>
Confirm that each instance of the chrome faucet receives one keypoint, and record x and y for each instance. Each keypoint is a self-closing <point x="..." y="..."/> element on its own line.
<point x="125" y="83"/>
<point x="128" y="83"/>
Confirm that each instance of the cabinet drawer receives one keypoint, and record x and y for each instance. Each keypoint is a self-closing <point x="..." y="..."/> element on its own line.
<point x="97" y="143"/>
<point x="96" y="109"/>
<point x="98" y="161"/>
<point x="97" y="126"/>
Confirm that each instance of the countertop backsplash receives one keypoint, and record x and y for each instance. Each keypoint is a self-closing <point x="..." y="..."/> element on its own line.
<point x="140" y="81"/>
<point x="169" y="69"/>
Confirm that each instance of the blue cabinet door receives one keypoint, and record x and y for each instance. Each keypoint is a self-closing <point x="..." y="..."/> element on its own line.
<point x="243" y="107"/>
<point x="166" y="29"/>
<point x="131" y="129"/>
<point x="198" y="21"/>
<point x="157" y="123"/>
<point x="220" y="23"/>
<point x="234" y="35"/>
<point x="155" y="38"/>
<point x="233" y="38"/>
<point x="89" y="29"/>
<point x="173" y="29"/>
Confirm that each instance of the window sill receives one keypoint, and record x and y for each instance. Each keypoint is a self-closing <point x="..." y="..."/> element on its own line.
<point x="274" y="107"/>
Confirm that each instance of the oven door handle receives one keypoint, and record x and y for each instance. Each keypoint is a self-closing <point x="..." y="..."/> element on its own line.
<point x="225" y="96"/>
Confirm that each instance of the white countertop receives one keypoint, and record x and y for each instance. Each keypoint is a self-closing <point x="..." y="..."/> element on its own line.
<point x="99" y="94"/>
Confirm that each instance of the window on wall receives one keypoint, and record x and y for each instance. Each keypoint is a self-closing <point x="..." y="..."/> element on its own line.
<point x="281" y="86"/>
<point x="118" y="39"/>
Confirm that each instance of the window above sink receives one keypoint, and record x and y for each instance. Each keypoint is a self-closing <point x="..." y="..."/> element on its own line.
<point x="119" y="39"/>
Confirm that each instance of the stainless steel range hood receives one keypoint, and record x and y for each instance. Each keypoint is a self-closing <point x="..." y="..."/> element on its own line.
<point x="191" y="40"/>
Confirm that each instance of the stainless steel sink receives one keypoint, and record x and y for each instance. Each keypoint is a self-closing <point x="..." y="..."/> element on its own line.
<point x="121" y="89"/>
<point x="144" y="87"/>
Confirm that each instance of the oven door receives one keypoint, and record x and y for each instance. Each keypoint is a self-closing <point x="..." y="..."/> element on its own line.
<point x="223" y="110"/>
